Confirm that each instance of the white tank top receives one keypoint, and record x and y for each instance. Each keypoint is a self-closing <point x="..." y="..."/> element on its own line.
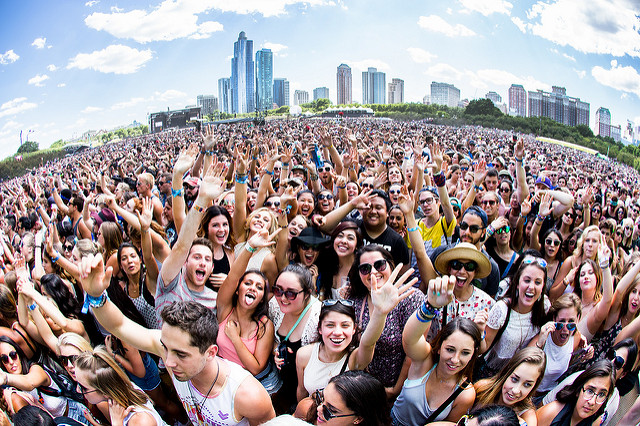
<point x="317" y="373"/>
<point x="558" y="358"/>
<point x="217" y="409"/>
<point x="148" y="408"/>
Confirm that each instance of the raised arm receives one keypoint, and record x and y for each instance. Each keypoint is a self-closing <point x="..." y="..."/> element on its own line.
<point x="183" y="163"/>
<point x="521" y="176"/>
<point x="384" y="298"/>
<point x="332" y="219"/>
<point x="440" y="180"/>
<point x="240" y="193"/>
<point x="599" y="313"/>
<point x="144" y="220"/>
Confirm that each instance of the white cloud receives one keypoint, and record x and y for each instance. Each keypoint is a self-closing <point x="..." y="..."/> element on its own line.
<point x="522" y="26"/>
<point x="116" y="9"/>
<point x="569" y="57"/>
<point x="486" y="7"/>
<point x="437" y="24"/>
<point x="8" y="57"/>
<point x="581" y="73"/>
<point x="169" y="21"/>
<point x="117" y="59"/>
<point x="62" y="85"/>
<point x="90" y="109"/>
<point x="52" y="68"/>
<point x="596" y="26"/>
<point x="367" y="63"/>
<point x="38" y="80"/>
<point x="276" y="48"/>
<point x="168" y="95"/>
<point x="15" y="106"/>
<point x="91" y="3"/>
<point x="420" y="56"/>
<point x="40" y="42"/>
<point x="127" y="104"/>
<point x="625" y="79"/>
<point x="266" y="8"/>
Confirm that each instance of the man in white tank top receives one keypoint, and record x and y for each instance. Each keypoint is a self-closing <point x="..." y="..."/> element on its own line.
<point x="212" y="390"/>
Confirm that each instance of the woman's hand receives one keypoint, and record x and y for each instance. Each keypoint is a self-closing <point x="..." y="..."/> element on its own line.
<point x="387" y="295"/>
<point x="118" y="413"/>
<point x="232" y="330"/>
<point x="147" y="214"/>
<point x="262" y="239"/>
<point x="25" y="287"/>
<point x="440" y="291"/>
<point x="480" y="319"/>
<point x="546" y="329"/>
<point x="186" y="159"/>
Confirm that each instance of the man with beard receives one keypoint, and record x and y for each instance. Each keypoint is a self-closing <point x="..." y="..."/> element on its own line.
<point x="473" y="229"/>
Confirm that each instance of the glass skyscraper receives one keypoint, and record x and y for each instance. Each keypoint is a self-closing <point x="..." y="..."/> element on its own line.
<point x="281" y="91"/>
<point x="264" y="79"/>
<point x="243" y="76"/>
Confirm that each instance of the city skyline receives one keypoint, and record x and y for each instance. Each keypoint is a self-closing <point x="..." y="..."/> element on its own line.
<point x="71" y="67"/>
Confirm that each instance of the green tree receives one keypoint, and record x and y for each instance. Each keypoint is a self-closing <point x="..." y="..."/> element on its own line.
<point x="584" y="130"/>
<point x="482" y="107"/>
<point x="28" y="146"/>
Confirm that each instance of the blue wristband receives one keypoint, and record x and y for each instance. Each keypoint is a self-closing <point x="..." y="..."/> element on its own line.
<point x="415" y="228"/>
<point x="177" y="192"/>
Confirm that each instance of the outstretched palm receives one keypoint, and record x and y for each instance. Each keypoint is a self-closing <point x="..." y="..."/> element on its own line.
<point x="387" y="295"/>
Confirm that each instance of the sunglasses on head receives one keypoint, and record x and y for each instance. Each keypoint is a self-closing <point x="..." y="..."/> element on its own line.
<point x="503" y="230"/>
<point x="380" y="265"/>
<point x="552" y="242"/>
<point x="289" y="294"/>
<point x="325" y="197"/>
<point x="570" y="325"/>
<point x="472" y="228"/>
<point x="331" y="302"/>
<point x="540" y="262"/>
<point x="456" y="265"/>
<point x="67" y="359"/>
<point x="272" y="204"/>
<point x="5" y="359"/>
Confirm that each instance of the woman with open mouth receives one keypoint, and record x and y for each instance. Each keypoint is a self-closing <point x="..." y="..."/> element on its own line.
<point x="325" y="202"/>
<point x="336" y="259"/>
<point x="246" y="333"/>
<point x="584" y="401"/>
<point x="516" y="319"/>
<point x="306" y="203"/>
<point x="515" y="384"/>
<point x="216" y="227"/>
<point x="305" y="249"/>
<point x="549" y="246"/>
<point x="438" y="383"/>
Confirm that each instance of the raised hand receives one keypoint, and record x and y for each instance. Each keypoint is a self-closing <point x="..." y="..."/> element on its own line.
<point x="20" y="266"/>
<point x="406" y="201"/>
<point x="525" y="206"/>
<point x="93" y="277"/>
<point x="242" y="160"/>
<point x="481" y="318"/>
<point x="440" y="291"/>
<point x="437" y="157"/>
<point x="546" y="205"/>
<point x="262" y="238"/>
<point x="546" y="329"/>
<point x="209" y="139"/>
<point x="147" y="214"/>
<point x="386" y="296"/>
<point x="186" y="159"/>
<point x="212" y="183"/>
<point x="518" y="149"/>
<point x="479" y="172"/>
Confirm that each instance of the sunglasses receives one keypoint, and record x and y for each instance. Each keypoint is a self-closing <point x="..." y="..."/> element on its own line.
<point x="325" y="197"/>
<point x="505" y="190"/>
<point x="394" y="191"/>
<point x="540" y="262"/>
<point x="552" y="242"/>
<point x="503" y="230"/>
<point x="456" y="265"/>
<point x="85" y="391"/>
<point x="489" y="202"/>
<point x="305" y="247"/>
<point x="289" y="294"/>
<point x="570" y="325"/>
<point x="618" y="361"/>
<point x="332" y="302"/>
<point x="272" y="204"/>
<point x="325" y="169"/>
<point x="68" y="247"/>
<point x="327" y="414"/>
<point x="472" y="228"/>
<point x="5" y="359"/>
<point x="464" y="169"/>
<point x="67" y="359"/>
<point x="380" y="265"/>
<point x="367" y="185"/>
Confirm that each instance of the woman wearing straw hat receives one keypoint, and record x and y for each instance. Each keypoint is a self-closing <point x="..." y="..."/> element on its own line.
<point x="466" y="263"/>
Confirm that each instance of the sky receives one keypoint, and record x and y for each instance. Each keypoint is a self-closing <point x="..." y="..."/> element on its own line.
<point x="71" y="66"/>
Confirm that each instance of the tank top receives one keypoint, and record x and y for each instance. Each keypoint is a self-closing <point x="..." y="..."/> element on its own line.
<point x="217" y="409"/>
<point x="148" y="408"/>
<point x="255" y="263"/>
<point x="558" y="358"/>
<point x="411" y="407"/>
<point x="225" y="347"/>
<point x="317" y="373"/>
<point x="221" y="266"/>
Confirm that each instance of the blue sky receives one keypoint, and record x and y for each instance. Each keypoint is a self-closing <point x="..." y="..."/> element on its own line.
<point x="67" y="67"/>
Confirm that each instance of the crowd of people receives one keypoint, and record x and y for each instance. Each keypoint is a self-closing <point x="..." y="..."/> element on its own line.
<point x="321" y="272"/>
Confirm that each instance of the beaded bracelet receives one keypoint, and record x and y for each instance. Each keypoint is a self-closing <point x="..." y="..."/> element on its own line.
<point x="177" y="192"/>
<point x="95" y="302"/>
<point x="242" y="179"/>
<point x="490" y="230"/>
<point x="33" y="306"/>
<point x="198" y="208"/>
<point x="415" y="228"/>
<point x="540" y="217"/>
<point x="426" y="312"/>
<point x="440" y="179"/>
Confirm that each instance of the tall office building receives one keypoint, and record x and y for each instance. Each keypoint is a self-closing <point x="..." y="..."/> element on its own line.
<point x="444" y="94"/>
<point x="300" y="97"/>
<point x="344" y="84"/>
<point x="281" y="91"/>
<point x="517" y="100"/>
<point x="603" y="122"/>
<point x="559" y="107"/>
<point x="373" y="87"/>
<point x="264" y="79"/>
<point x="224" y="95"/>
<point x="396" y="91"/>
<point x="242" y="76"/>
<point x="320" y="93"/>
<point x="208" y="104"/>
<point x="494" y="97"/>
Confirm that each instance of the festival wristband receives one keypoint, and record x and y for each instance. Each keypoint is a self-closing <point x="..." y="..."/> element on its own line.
<point x="177" y="192"/>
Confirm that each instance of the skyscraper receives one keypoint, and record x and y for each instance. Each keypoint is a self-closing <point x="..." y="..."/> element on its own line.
<point x="517" y="100"/>
<point x="444" y="94"/>
<point x="558" y="107"/>
<point x="320" y="93"/>
<point x="208" y="104"/>
<point x="242" y="76"/>
<point x="494" y="97"/>
<point x="373" y="87"/>
<point x="603" y="122"/>
<point x="264" y="79"/>
<point x="224" y="94"/>
<point x="281" y="91"/>
<point x="396" y="91"/>
<point x="344" y="84"/>
<point x="300" y="97"/>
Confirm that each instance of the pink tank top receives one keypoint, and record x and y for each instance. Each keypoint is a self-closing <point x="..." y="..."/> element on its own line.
<point x="226" y="349"/>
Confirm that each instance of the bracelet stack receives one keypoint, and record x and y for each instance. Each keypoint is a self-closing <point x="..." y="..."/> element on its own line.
<point x="490" y="231"/>
<point x="94" y="302"/>
<point x="439" y="179"/>
<point x="242" y="178"/>
<point x="477" y="187"/>
<point x="540" y="217"/>
<point x="426" y="312"/>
